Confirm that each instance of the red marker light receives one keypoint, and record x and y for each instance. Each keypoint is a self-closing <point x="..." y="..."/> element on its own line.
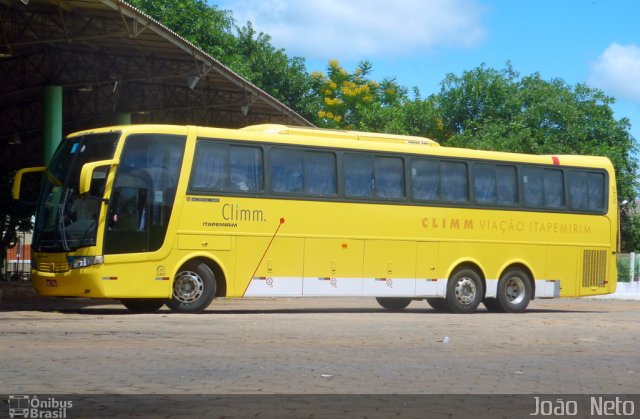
<point x="556" y="160"/>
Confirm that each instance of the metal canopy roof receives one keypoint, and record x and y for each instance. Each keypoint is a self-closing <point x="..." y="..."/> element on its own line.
<point x="111" y="58"/>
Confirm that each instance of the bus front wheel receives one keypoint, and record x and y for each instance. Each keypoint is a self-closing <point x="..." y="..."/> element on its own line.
<point x="465" y="291"/>
<point x="393" y="304"/>
<point x="194" y="287"/>
<point x="514" y="291"/>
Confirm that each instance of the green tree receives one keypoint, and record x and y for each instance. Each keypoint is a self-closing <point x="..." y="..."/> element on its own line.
<point x="206" y="26"/>
<point x="490" y="109"/>
<point x="498" y="110"/>
<point x="417" y="116"/>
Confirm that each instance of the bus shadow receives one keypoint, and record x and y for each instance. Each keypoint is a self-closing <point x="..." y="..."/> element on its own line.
<point x="374" y="310"/>
<point x="107" y="311"/>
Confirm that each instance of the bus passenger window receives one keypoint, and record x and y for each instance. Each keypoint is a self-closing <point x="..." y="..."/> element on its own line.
<point x="484" y="183"/>
<point x="453" y="176"/>
<point x="533" y="187"/>
<point x="246" y="169"/>
<point x="425" y="179"/>
<point x="320" y="173"/>
<point x="506" y="185"/>
<point x="358" y="175"/>
<point x="543" y="188"/>
<point x="553" y="189"/>
<point x="578" y="197"/>
<point x="596" y="191"/>
<point x="586" y="190"/>
<point x="211" y="166"/>
<point x="389" y="177"/>
<point x="286" y="170"/>
<point x="223" y="167"/>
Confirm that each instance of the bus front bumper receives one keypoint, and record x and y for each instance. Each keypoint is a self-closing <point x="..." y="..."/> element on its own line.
<point x="80" y="284"/>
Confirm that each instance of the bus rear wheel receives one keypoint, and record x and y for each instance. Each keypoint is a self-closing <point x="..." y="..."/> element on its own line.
<point x="514" y="291"/>
<point x="142" y="305"/>
<point x="194" y="287"/>
<point x="465" y="291"/>
<point x="393" y="304"/>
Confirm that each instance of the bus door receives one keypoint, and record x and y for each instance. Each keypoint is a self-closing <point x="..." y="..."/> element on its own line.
<point x="127" y="229"/>
<point x="138" y="216"/>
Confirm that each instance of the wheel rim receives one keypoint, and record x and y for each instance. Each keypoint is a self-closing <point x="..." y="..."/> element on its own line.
<point x="188" y="287"/>
<point x="465" y="291"/>
<point x="515" y="290"/>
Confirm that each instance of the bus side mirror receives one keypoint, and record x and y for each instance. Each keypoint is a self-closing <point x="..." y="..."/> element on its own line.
<point x="87" y="174"/>
<point x="31" y="192"/>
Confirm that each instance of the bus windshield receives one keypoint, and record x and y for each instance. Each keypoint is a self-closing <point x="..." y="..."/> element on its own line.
<point x="65" y="221"/>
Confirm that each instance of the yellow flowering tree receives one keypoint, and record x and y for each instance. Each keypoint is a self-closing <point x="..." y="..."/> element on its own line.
<point x="344" y="97"/>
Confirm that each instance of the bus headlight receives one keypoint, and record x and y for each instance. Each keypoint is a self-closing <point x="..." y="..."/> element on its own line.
<point x="76" y="262"/>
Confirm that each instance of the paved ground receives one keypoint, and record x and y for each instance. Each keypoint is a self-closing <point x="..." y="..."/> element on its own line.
<point x="313" y="345"/>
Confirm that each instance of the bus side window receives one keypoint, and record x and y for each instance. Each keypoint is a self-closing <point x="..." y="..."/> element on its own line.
<point x="484" y="183"/>
<point x="506" y="185"/>
<point x="389" y="177"/>
<point x="596" y="191"/>
<point x="320" y="173"/>
<point x="358" y="175"/>
<point x="425" y="179"/>
<point x="553" y="188"/>
<point x="453" y="176"/>
<point x="586" y="190"/>
<point x="287" y="170"/>
<point x="543" y="188"/>
<point x="533" y="187"/>
<point x="246" y="169"/>
<point x="578" y="197"/>
<point x="211" y="166"/>
<point x="223" y="167"/>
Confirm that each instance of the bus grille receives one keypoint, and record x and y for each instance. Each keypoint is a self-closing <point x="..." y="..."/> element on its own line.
<point x="594" y="268"/>
<point x="53" y="267"/>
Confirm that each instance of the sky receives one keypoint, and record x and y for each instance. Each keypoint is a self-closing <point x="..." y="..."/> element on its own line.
<point x="419" y="42"/>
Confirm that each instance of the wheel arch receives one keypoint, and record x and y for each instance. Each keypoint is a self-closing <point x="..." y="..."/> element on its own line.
<point x="468" y="263"/>
<point x="213" y="263"/>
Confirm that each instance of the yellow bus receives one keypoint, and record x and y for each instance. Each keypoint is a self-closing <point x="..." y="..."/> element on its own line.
<point x="179" y="215"/>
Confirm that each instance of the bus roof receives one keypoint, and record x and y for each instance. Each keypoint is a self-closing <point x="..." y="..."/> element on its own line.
<point x="275" y="133"/>
<point x="344" y="134"/>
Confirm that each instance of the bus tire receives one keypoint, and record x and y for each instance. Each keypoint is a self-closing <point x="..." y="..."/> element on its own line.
<point x="194" y="287"/>
<point x="393" y="304"/>
<point x="142" y="305"/>
<point x="440" y="305"/>
<point x="514" y="291"/>
<point x="493" y="305"/>
<point x="465" y="291"/>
